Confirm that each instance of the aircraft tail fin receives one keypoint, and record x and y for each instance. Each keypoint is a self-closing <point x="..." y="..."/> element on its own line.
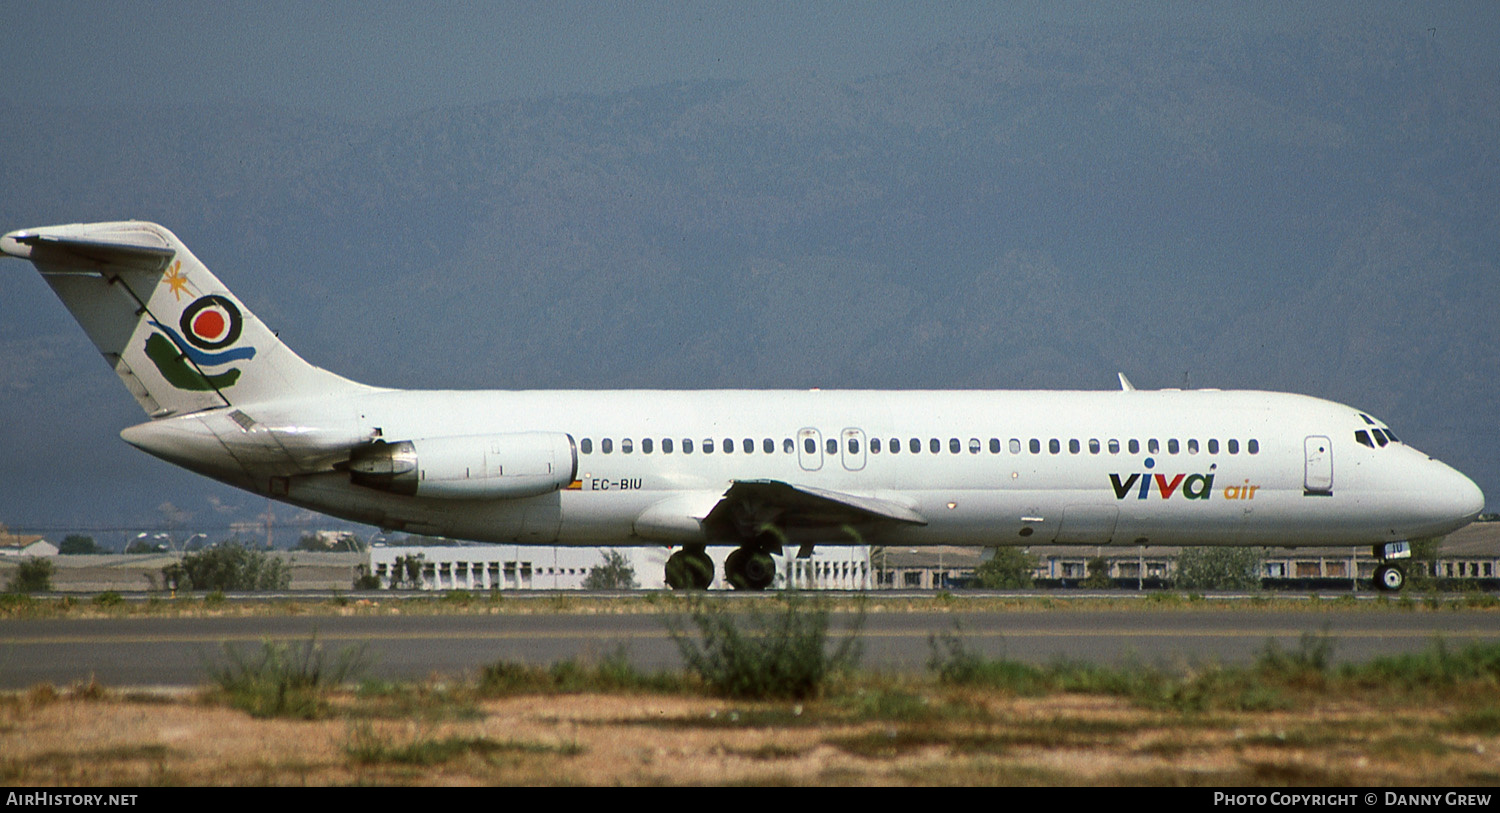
<point x="179" y="340"/>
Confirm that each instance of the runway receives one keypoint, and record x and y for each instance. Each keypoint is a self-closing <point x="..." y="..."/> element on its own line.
<point x="150" y="651"/>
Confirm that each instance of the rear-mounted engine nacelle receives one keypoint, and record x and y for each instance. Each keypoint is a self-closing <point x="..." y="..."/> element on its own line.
<point x="469" y="467"/>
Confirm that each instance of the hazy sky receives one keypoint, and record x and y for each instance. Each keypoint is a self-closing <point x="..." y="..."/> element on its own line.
<point x="366" y="59"/>
<point x="369" y="60"/>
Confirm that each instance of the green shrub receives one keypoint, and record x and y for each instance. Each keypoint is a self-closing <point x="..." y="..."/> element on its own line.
<point x="284" y="679"/>
<point x="612" y="573"/>
<point x="1008" y="569"/>
<point x="1218" y="568"/>
<point x="32" y="576"/>
<point x="230" y="566"/>
<point x="956" y="664"/>
<point x="764" y="654"/>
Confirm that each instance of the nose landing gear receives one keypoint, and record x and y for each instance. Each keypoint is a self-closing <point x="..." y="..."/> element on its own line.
<point x="1391" y="577"/>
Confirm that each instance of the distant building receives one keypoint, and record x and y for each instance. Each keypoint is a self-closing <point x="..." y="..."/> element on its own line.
<point x="1470" y="554"/>
<point x="529" y="567"/>
<point x="24" y="544"/>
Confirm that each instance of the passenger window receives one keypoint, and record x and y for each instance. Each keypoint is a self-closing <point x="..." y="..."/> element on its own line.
<point x="768" y="446"/>
<point x="666" y="445"/>
<point x="1213" y="446"/>
<point x="1172" y="446"/>
<point x="787" y="445"/>
<point x="1134" y="446"/>
<point x="708" y="445"/>
<point x="1073" y="446"/>
<point x="833" y="445"/>
<point x="747" y="446"/>
<point x="606" y="446"/>
<point x="934" y="445"/>
<point x="1114" y="446"/>
<point x="994" y="446"/>
<point x="728" y="445"/>
<point x="974" y="446"/>
<point x="627" y="446"/>
<point x="646" y="446"/>
<point x="1360" y="436"/>
<point x="1234" y="447"/>
<point x="895" y="445"/>
<point x="853" y="445"/>
<point x="1015" y="445"/>
<point x="954" y="446"/>
<point x="875" y="445"/>
<point x="914" y="445"/>
<point x="1036" y="446"/>
<point x="1153" y="446"/>
<point x="1193" y="446"/>
<point x="1054" y="446"/>
<point x="687" y="445"/>
<point x="809" y="446"/>
<point x="587" y="446"/>
<point x="1252" y="446"/>
<point x="1093" y="446"/>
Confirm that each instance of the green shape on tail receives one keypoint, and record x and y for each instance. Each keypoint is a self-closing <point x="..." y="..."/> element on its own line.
<point x="179" y="373"/>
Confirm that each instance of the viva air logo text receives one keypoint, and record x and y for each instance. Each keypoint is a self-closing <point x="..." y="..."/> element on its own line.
<point x="1188" y="486"/>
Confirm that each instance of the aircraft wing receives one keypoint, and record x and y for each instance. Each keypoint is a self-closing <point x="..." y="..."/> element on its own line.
<point x="750" y="505"/>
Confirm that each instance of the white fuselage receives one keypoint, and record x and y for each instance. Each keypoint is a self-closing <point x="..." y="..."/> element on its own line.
<point x="980" y="468"/>
<point x="756" y="468"/>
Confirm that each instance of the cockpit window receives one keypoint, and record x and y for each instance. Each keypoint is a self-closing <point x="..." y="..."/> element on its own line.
<point x="1363" y="438"/>
<point x="1392" y="435"/>
<point x="1379" y="437"/>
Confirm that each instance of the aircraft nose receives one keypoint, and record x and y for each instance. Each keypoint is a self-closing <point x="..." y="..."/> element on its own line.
<point x="1472" y="497"/>
<point x="1457" y="497"/>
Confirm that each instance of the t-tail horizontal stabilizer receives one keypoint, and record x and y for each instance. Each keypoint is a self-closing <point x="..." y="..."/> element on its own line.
<point x="179" y="340"/>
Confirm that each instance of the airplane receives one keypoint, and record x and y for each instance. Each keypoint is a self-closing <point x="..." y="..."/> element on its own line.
<point x="758" y="470"/>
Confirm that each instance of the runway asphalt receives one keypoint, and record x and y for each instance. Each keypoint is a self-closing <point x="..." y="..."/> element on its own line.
<point x="154" y="651"/>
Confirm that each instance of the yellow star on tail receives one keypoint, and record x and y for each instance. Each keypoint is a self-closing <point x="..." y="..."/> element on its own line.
<point x="177" y="280"/>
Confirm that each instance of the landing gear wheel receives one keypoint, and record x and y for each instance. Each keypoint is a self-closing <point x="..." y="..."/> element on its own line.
<point x="690" y="569"/>
<point x="1390" y="578"/>
<point x="750" y="569"/>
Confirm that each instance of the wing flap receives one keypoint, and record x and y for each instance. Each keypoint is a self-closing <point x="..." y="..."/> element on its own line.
<point x="749" y="505"/>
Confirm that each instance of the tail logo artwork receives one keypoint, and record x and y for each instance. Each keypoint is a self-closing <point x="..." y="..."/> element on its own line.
<point x="210" y="325"/>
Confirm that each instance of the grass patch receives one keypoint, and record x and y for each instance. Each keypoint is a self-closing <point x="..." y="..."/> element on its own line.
<point x="1198" y="690"/>
<point x="903" y="706"/>
<point x="401" y="701"/>
<point x="613" y="673"/>
<point x="284" y="679"/>
<point x="1438" y="667"/>
<point x="366" y="746"/>
<point x="765" y="654"/>
<point x="1484" y="720"/>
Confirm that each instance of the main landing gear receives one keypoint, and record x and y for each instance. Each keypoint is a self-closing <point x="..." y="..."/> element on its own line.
<point x="749" y="567"/>
<point x="1391" y="577"/>
<point x="690" y="569"/>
